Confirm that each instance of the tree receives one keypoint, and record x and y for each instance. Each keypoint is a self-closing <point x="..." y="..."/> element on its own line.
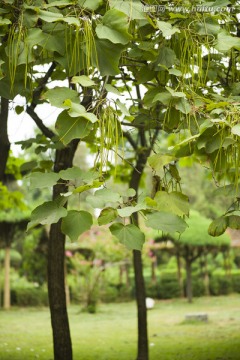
<point x="115" y="47"/>
<point x="194" y="243"/>
<point x="12" y="225"/>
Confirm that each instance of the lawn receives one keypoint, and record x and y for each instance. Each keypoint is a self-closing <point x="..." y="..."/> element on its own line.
<point x="111" y="333"/>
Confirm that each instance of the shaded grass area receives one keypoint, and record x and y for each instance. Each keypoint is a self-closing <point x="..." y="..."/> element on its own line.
<point x="111" y="333"/>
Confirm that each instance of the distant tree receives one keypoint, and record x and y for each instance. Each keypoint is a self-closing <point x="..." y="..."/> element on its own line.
<point x="194" y="243"/>
<point x="12" y="226"/>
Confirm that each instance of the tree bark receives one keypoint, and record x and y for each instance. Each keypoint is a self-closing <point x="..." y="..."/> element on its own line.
<point x="141" y="306"/>
<point x="180" y="280"/>
<point x="189" y="280"/>
<point x="7" y="299"/>
<point x="56" y="274"/>
<point x="4" y="141"/>
<point x="206" y="276"/>
<point x="142" y="352"/>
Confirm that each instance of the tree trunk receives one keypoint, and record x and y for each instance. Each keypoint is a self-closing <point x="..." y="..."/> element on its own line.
<point x="179" y="272"/>
<point x="4" y="141"/>
<point x="189" y="279"/>
<point x="206" y="276"/>
<point x="142" y="353"/>
<point x="68" y="300"/>
<point x="7" y="301"/>
<point x="56" y="274"/>
<point x="141" y="306"/>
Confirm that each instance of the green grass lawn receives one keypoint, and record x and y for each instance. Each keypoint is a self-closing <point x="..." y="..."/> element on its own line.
<point x="25" y="334"/>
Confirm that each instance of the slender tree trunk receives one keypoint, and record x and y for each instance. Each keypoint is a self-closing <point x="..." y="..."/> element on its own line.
<point x="7" y="301"/>
<point x="141" y="306"/>
<point x="189" y="279"/>
<point x="206" y="276"/>
<point x="153" y="269"/>
<point x="4" y="141"/>
<point x="121" y="271"/>
<point x="56" y="274"/>
<point x="68" y="300"/>
<point x="179" y="271"/>
<point x="142" y="353"/>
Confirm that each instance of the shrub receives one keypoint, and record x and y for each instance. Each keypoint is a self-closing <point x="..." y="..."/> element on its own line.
<point x="31" y="297"/>
<point x="169" y="288"/>
<point x="220" y="285"/>
<point x="236" y="283"/>
<point x="109" y="294"/>
<point x="198" y="287"/>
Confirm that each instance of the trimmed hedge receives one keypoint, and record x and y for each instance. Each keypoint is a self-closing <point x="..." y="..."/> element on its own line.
<point x="29" y="297"/>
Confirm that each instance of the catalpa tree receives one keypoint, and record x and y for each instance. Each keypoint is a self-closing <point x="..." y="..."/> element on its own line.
<point x="132" y="73"/>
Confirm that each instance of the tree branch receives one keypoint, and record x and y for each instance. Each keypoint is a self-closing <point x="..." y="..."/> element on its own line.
<point x="45" y="130"/>
<point x="42" y="83"/>
<point x="35" y="98"/>
<point x="128" y="136"/>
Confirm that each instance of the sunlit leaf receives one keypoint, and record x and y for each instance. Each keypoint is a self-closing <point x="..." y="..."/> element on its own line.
<point x="114" y="27"/>
<point x="129" y="210"/>
<point x="107" y="215"/>
<point x="58" y="95"/>
<point x="41" y="180"/>
<point x="82" y="80"/>
<point x="46" y="214"/>
<point x="70" y="128"/>
<point x="226" y="42"/>
<point x="166" y="28"/>
<point x="157" y="161"/>
<point x="166" y="222"/>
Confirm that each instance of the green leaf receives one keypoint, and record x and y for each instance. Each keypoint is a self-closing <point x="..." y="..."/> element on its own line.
<point x="234" y="222"/>
<point x="166" y="28"/>
<point x="4" y="22"/>
<point x="59" y="3"/>
<point x="82" y="80"/>
<point x="226" y="42"/>
<point x="128" y="235"/>
<point x="70" y="20"/>
<point x="108" y="195"/>
<point x="236" y="130"/>
<point x="47" y="213"/>
<point x="132" y="8"/>
<point x="218" y="226"/>
<point x="108" y="57"/>
<point x="166" y="58"/>
<point x="175" y="72"/>
<point x="174" y="202"/>
<point x="112" y="89"/>
<point x="166" y="222"/>
<point x="49" y="16"/>
<point x="157" y="161"/>
<point x="41" y="180"/>
<point x="76" y="110"/>
<point x="129" y="210"/>
<point x="102" y="197"/>
<point x="58" y="95"/>
<point x="70" y="128"/>
<point x="90" y="4"/>
<point x="83" y="188"/>
<point x="122" y="107"/>
<point x="76" y="223"/>
<point x="176" y="94"/>
<point x="107" y="215"/>
<point x="114" y="27"/>
<point x="163" y="97"/>
<point x="76" y="173"/>
<point x="183" y="106"/>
